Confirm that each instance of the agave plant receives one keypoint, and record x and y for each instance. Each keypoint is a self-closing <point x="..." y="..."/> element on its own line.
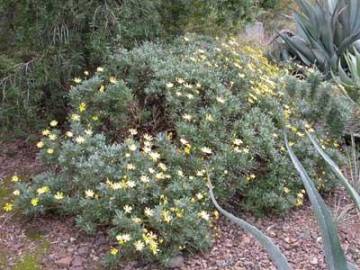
<point x="349" y="77"/>
<point x="334" y="254"/>
<point x="325" y="30"/>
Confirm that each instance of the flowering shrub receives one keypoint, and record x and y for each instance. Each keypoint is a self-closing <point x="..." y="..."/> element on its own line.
<point x="145" y="132"/>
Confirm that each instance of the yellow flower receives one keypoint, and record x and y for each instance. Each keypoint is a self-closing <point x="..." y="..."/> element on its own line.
<point x="133" y="131"/>
<point x="123" y="238"/>
<point x="209" y="118"/>
<point x="199" y="196"/>
<point x="40" y="144"/>
<point x="220" y="100"/>
<point x="162" y="166"/>
<point x="237" y="142"/>
<point x="216" y="214"/>
<point x="80" y="139"/>
<point x="206" y="150"/>
<point x="166" y="216"/>
<point x="75" y="117"/>
<point x="69" y="134"/>
<point x="169" y="85"/>
<point x="53" y="123"/>
<point x="113" y="80"/>
<point x="127" y="209"/>
<point x="180" y="81"/>
<point x="183" y="141"/>
<point x="89" y="193"/>
<point x="86" y="73"/>
<point x="131" y="184"/>
<point x="45" y="132"/>
<point x="187" y="117"/>
<point x="148" y="137"/>
<point x="130" y="167"/>
<point x="100" y="69"/>
<point x="102" y="89"/>
<point x="153" y="246"/>
<point x="299" y="202"/>
<point x="15" y="178"/>
<point x="132" y="147"/>
<point x="148" y="212"/>
<point x="204" y="215"/>
<point x="43" y="190"/>
<point x="300" y="134"/>
<point x="59" y="196"/>
<point x="286" y="190"/>
<point x="82" y="107"/>
<point x="139" y="245"/>
<point x="50" y="151"/>
<point x="88" y="132"/>
<point x="16" y="192"/>
<point x="144" y="179"/>
<point x="8" y="207"/>
<point x="114" y="251"/>
<point x="187" y="149"/>
<point x="136" y="220"/>
<point x="77" y="80"/>
<point x="35" y="201"/>
<point x="52" y="137"/>
<point x="116" y="186"/>
<point x="154" y="156"/>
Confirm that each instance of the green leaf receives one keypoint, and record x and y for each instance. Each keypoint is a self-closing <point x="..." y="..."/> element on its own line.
<point x="274" y="252"/>
<point x="352" y="192"/>
<point x="334" y="255"/>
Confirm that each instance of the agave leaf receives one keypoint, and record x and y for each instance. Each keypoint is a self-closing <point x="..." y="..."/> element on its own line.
<point x="334" y="255"/>
<point x="273" y="250"/>
<point x="297" y="46"/>
<point x="348" y="41"/>
<point x="344" y="78"/>
<point x="352" y="192"/>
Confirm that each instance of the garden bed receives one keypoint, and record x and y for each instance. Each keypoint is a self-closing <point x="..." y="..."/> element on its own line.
<point x="53" y="243"/>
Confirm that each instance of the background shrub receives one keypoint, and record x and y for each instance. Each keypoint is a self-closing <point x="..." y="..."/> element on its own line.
<point x="46" y="44"/>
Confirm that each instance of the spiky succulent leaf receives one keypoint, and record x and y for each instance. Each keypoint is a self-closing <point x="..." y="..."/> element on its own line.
<point x="334" y="255"/>
<point x="326" y="28"/>
<point x="334" y="167"/>
<point x="273" y="250"/>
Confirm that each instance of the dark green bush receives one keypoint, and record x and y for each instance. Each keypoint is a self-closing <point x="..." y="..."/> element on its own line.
<point x="47" y="43"/>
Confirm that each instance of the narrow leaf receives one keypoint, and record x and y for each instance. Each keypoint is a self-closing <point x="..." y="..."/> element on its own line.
<point x="274" y="252"/>
<point x="352" y="192"/>
<point x="334" y="255"/>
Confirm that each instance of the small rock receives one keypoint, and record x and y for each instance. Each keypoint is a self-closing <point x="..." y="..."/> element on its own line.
<point x="83" y="250"/>
<point x="176" y="262"/>
<point x="314" y="261"/>
<point x="64" y="262"/>
<point x="78" y="261"/>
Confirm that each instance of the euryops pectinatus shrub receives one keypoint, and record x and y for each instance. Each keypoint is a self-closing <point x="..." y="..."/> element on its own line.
<point x="146" y="129"/>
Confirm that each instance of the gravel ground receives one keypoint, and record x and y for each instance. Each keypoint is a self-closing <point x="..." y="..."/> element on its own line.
<point x="54" y="243"/>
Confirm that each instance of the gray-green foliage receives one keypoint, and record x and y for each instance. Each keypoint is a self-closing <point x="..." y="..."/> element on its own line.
<point x="324" y="31"/>
<point x="144" y="130"/>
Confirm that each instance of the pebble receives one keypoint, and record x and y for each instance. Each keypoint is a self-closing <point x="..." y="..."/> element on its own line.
<point x="176" y="262"/>
<point x="64" y="262"/>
